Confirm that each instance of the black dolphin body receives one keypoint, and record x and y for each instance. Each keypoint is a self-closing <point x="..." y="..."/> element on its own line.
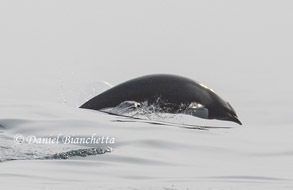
<point x="172" y="93"/>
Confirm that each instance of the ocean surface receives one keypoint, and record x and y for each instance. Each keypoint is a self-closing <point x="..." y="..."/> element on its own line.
<point x="157" y="152"/>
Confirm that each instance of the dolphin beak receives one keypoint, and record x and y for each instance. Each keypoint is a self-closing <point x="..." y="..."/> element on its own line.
<point x="235" y="119"/>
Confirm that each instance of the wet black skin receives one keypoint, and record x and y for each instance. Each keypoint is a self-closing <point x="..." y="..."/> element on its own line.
<point x="169" y="91"/>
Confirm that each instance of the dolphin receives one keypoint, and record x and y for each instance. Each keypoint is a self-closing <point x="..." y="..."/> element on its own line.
<point x="172" y="93"/>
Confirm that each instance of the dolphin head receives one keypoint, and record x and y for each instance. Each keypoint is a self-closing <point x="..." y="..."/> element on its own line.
<point x="223" y="111"/>
<point x="214" y="106"/>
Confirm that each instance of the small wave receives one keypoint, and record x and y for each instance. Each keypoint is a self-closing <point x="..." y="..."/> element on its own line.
<point x="2" y="128"/>
<point x="246" y="179"/>
<point x="10" y="152"/>
<point x="80" y="152"/>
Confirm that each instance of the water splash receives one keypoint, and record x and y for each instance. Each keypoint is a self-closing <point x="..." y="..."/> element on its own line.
<point x="61" y="89"/>
<point x="144" y="110"/>
<point x="91" y="91"/>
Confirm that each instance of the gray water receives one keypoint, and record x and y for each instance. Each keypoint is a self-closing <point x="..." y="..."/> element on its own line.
<point x="54" y="55"/>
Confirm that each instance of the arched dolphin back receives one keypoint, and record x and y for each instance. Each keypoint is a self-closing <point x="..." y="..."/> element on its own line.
<point x="169" y="88"/>
<point x="170" y="91"/>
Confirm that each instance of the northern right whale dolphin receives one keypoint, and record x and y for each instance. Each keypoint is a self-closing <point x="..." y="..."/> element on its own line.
<point x="174" y="94"/>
